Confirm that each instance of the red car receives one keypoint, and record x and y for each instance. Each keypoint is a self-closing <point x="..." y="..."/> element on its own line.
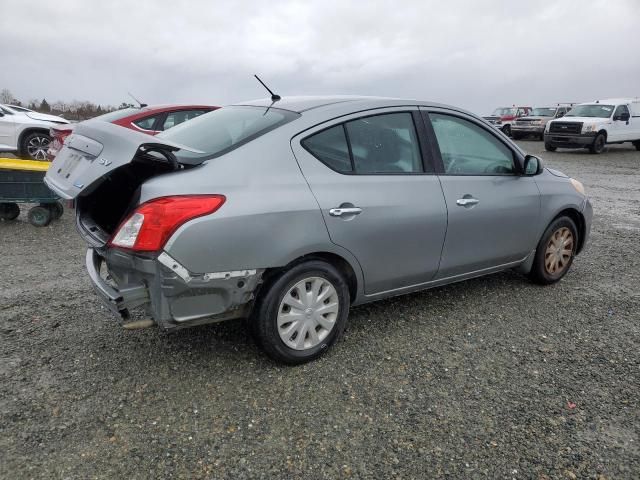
<point x="502" y="118"/>
<point x="151" y="120"/>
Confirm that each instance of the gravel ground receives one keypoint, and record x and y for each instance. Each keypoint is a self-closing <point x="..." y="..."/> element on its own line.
<point x="491" y="378"/>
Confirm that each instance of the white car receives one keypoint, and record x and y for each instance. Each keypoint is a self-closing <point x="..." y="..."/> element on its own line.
<point x="596" y="124"/>
<point x="25" y="132"/>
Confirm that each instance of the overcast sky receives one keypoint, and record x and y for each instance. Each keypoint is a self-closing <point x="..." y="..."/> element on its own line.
<point x="473" y="54"/>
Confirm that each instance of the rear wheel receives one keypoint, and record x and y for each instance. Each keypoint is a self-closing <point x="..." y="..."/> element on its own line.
<point x="35" y="145"/>
<point x="39" y="216"/>
<point x="301" y="313"/>
<point x="9" y="211"/>
<point x="598" y="144"/>
<point x="555" y="252"/>
<point x="55" y="208"/>
<point x="507" y="130"/>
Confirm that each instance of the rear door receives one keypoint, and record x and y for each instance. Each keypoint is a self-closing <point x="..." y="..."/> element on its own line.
<point x="380" y="200"/>
<point x="493" y="211"/>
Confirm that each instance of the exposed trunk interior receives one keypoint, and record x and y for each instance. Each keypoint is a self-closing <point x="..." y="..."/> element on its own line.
<point x="102" y="209"/>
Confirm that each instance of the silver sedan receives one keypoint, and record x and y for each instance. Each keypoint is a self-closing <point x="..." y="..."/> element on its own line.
<point x="290" y="212"/>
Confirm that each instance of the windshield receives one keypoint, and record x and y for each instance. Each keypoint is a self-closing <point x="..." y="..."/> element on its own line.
<point x="499" y="112"/>
<point x="543" y="112"/>
<point x="19" y="109"/>
<point x="222" y="130"/>
<point x="117" y="115"/>
<point x="597" y="110"/>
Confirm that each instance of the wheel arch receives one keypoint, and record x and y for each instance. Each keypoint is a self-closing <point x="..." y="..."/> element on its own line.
<point x="340" y="263"/>
<point x="27" y="131"/>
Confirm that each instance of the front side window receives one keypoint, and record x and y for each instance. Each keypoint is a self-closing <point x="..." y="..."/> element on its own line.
<point x="378" y="144"/>
<point x="468" y="149"/>
<point x="620" y="110"/>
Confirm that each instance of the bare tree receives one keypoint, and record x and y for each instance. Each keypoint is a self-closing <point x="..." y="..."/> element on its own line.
<point x="6" y="96"/>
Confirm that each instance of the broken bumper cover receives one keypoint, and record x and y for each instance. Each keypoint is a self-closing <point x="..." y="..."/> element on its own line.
<point x="172" y="295"/>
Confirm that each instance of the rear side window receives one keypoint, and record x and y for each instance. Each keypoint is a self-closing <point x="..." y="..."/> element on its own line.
<point x="146" y="123"/>
<point x="175" y="118"/>
<point x="379" y="144"/>
<point x="330" y="147"/>
<point x="468" y="149"/>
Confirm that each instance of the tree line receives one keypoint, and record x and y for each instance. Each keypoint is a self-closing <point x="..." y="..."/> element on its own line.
<point x="76" y="110"/>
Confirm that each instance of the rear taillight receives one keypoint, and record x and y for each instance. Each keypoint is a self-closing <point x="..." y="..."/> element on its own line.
<point x="57" y="140"/>
<point x="149" y="227"/>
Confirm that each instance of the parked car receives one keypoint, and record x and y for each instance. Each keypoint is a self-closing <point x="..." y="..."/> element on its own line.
<point x="594" y="125"/>
<point x="149" y="120"/>
<point x="26" y="133"/>
<point x="535" y="122"/>
<point x="503" y="117"/>
<point x="289" y="214"/>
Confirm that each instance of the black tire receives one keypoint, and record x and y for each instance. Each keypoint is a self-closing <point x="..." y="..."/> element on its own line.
<point x="598" y="144"/>
<point x="55" y="208"/>
<point x="541" y="137"/>
<point x="34" y="145"/>
<point x="264" y="317"/>
<point x="39" y="216"/>
<point x="507" y="130"/>
<point x="540" y="272"/>
<point x="9" y="211"/>
<point x="637" y="145"/>
<point x="549" y="148"/>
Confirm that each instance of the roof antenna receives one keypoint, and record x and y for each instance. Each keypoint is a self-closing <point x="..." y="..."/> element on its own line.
<point x="142" y="105"/>
<point x="274" y="97"/>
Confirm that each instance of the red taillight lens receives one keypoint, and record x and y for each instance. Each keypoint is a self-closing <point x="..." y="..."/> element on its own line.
<point x="57" y="140"/>
<point x="149" y="227"/>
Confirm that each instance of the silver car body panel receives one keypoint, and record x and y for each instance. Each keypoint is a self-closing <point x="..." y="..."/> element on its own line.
<point x="411" y="233"/>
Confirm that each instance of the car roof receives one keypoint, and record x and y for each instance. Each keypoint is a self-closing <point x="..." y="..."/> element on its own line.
<point x="305" y="103"/>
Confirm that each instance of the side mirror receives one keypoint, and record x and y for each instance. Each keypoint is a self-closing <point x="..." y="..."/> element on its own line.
<point x="623" y="117"/>
<point x="560" y="114"/>
<point x="532" y="166"/>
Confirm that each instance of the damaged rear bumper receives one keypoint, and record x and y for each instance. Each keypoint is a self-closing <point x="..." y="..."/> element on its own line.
<point x="173" y="296"/>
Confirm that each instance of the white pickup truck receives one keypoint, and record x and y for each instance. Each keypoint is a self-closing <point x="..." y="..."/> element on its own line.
<point x="596" y="124"/>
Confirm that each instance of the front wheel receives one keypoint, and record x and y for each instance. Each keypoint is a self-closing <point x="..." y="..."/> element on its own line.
<point x="637" y="145"/>
<point x="507" y="130"/>
<point x="549" y="148"/>
<point x="301" y="313"/>
<point x="555" y="252"/>
<point x="598" y="144"/>
<point x="39" y="216"/>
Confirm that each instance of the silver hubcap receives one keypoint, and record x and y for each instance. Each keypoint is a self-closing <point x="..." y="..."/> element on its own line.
<point x="37" y="147"/>
<point x="307" y="313"/>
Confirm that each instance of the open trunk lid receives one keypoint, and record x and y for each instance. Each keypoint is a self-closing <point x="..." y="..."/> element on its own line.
<point x="95" y="149"/>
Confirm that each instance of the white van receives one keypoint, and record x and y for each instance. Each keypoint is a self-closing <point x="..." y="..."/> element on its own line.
<point x="596" y="124"/>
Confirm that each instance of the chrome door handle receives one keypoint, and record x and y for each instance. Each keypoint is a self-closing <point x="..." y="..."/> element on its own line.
<point x="338" y="212"/>
<point x="467" y="202"/>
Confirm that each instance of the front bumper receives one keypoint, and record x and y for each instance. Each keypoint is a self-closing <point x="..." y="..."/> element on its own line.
<point x="569" y="141"/>
<point x="173" y="296"/>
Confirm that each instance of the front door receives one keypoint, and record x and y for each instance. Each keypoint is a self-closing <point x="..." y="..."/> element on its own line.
<point x="7" y="131"/>
<point x="621" y="129"/>
<point x="493" y="211"/>
<point x="378" y="198"/>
